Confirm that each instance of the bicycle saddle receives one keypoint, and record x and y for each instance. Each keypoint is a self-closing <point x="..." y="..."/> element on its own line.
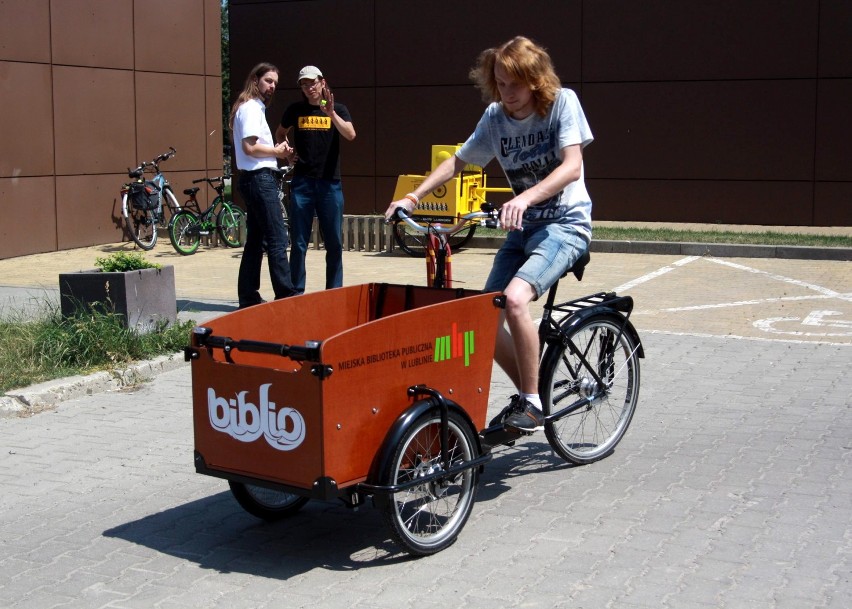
<point x="191" y="191"/>
<point x="579" y="267"/>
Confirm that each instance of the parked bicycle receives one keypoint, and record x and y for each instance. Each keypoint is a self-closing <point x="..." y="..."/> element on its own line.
<point x="589" y="356"/>
<point x="190" y="224"/>
<point x="146" y="204"/>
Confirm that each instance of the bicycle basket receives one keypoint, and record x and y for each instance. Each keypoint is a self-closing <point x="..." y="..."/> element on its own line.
<point x="145" y="195"/>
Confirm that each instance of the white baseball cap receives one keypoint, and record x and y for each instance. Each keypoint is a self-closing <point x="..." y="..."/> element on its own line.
<point x="310" y="72"/>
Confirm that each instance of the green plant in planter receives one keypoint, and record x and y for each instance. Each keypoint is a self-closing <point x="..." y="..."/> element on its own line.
<point x="121" y="262"/>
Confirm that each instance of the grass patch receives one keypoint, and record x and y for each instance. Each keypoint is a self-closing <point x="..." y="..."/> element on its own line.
<point x="45" y="346"/>
<point x="613" y="233"/>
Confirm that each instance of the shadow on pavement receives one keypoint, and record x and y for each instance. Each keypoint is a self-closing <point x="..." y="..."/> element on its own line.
<point x="216" y="533"/>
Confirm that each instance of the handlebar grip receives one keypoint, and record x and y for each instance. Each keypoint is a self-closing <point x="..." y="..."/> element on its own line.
<point x="199" y="180"/>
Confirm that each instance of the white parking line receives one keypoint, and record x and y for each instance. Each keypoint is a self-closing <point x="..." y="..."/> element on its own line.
<point x="653" y="275"/>
<point x="745" y="303"/>
<point x="804" y="284"/>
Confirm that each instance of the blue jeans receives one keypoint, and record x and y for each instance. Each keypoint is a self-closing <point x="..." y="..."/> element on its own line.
<point x="539" y="255"/>
<point x="265" y="228"/>
<point x="323" y="198"/>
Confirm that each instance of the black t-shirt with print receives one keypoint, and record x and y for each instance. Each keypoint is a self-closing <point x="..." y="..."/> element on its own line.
<point x="316" y="139"/>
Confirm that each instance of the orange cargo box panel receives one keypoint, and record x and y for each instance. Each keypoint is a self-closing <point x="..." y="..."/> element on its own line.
<point x="288" y="420"/>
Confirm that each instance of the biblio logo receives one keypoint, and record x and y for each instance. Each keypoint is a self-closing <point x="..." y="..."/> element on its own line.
<point x="457" y="344"/>
<point x="282" y="428"/>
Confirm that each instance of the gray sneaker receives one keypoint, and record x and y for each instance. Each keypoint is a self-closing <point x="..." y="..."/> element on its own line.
<point x="524" y="416"/>
<point x="501" y="417"/>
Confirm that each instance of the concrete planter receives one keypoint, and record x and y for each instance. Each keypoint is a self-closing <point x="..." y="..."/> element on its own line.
<point x="143" y="298"/>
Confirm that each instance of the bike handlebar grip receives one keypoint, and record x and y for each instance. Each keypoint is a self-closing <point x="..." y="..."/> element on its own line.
<point x="198" y="180"/>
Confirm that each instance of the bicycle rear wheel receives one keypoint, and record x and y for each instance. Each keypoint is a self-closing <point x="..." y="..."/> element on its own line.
<point x="140" y="224"/>
<point x="229" y="223"/>
<point x="183" y="232"/>
<point x="598" y="370"/>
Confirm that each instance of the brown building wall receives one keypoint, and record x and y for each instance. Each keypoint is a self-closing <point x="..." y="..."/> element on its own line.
<point x="89" y="88"/>
<point x="718" y="111"/>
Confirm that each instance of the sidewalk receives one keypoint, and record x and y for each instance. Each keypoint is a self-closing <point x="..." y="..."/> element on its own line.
<point x="206" y="287"/>
<point x="730" y="489"/>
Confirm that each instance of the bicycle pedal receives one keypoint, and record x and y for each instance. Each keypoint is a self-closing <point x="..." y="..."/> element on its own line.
<point x="522" y="432"/>
<point x="498" y="434"/>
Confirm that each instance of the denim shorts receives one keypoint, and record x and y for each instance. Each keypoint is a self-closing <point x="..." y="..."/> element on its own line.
<point x="539" y="255"/>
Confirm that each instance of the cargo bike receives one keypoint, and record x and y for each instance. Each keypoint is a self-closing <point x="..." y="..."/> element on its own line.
<point x="379" y="392"/>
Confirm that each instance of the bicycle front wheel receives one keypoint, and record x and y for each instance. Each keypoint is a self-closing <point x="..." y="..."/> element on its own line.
<point x="461" y="238"/>
<point x="170" y="207"/>
<point x="140" y="224"/>
<point x="409" y="240"/>
<point x="427" y="518"/>
<point x="183" y="232"/>
<point x="230" y="222"/>
<point x="596" y="372"/>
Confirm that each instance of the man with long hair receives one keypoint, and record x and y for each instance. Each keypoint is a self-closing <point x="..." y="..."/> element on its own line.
<point x="257" y="157"/>
<point x="537" y="131"/>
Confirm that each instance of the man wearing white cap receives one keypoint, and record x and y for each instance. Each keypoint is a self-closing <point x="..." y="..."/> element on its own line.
<point x="316" y="123"/>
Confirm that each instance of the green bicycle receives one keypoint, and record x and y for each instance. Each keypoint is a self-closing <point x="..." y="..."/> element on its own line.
<point x="190" y="223"/>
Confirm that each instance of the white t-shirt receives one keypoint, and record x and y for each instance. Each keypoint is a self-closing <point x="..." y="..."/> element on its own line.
<point x="528" y="150"/>
<point x="250" y="121"/>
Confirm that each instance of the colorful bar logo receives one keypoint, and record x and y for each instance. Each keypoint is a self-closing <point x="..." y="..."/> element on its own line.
<point x="457" y="344"/>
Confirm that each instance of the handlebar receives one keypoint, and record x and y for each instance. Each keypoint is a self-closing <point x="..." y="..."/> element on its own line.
<point x="155" y="164"/>
<point x="210" y="181"/>
<point x="489" y="216"/>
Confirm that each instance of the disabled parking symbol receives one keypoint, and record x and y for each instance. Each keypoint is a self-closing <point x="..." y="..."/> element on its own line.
<point x="816" y="323"/>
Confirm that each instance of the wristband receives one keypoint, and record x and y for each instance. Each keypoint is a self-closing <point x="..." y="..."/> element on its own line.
<point x="413" y="198"/>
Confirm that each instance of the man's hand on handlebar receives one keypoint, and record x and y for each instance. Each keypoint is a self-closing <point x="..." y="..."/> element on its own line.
<point x="407" y="205"/>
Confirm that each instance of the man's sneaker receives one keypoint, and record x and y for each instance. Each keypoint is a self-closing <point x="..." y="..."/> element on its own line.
<point x="501" y="417"/>
<point x="524" y="416"/>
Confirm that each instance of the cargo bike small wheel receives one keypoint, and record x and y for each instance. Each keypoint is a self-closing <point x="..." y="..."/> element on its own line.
<point x="426" y="518"/>
<point x="266" y="503"/>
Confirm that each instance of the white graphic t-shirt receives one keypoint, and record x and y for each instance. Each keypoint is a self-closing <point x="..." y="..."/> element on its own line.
<point x="528" y="150"/>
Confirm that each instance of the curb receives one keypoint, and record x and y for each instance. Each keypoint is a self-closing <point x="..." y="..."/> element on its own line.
<point x="724" y="250"/>
<point x="48" y="395"/>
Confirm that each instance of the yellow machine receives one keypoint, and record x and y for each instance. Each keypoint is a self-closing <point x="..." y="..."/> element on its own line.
<point x="462" y="195"/>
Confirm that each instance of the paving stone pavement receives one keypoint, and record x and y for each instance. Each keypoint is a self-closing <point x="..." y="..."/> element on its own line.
<point x="732" y="488"/>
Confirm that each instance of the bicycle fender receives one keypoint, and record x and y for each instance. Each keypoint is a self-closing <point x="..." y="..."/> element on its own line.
<point x="384" y="456"/>
<point x="570" y="324"/>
